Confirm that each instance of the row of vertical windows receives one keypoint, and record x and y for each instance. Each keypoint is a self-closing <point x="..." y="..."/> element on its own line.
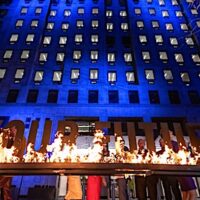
<point x="113" y="96"/>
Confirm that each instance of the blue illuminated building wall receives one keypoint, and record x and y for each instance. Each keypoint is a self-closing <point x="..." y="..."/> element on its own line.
<point x="96" y="59"/>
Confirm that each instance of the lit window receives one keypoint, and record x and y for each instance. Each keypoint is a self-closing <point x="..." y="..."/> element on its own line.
<point x="38" y="11"/>
<point x="198" y="24"/>
<point x="81" y="11"/>
<point x="95" y="24"/>
<point x="123" y="13"/>
<point x="165" y="13"/>
<point x="94" y="55"/>
<point x="152" y="11"/>
<point x="94" y="38"/>
<point x="124" y="26"/>
<point x="79" y="24"/>
<point x="14" y="38"/>
<point x="63" y="40"/>
<point x="161" y="2"/>
<point x="109" y="13"/>
<point x="128" y="57"/>
<point x="143" y="39"/>
<point x="138" y="11"/>
<point x="140" y="24"/>
<point x="184" y="27"/>
<point x="146" y="55"/>
<point x="112" y="77"/>
<point x="185" y="77"/>
<point x="93" y="75"/>
<point x="19" y="23"/>
<point x="78" y="38"/>
<point x="47" y="40"/>
<point x="179" y="14"/>
<point x="43" y="57"/>
<point x="163" y="56"/>
<point x="38" y="76"/>
<point x="77" y="55"/>
<point x="25" y="54"/>
<point x="155" y="24"/>
<point x="67" y="13"/>
<point x="60" y="57"/>
<point x="179" y="57"/>
<point x="173" y="41"/>
<point x="95" y="11"/>
<point x="75" y="74"/>
<point x="174" y="3"/>
<point x="169" y="27"/>
<point x="2" y="73"/>
<point x="189" y="41"/>
<point x="159" y="39"/>
<point x="168" y="75"/>
<point x="190" y="1"/>
<point x="30" y="38"/>
<point x="196" y="58"/>
<point x="109" y="26"/>
<point x="50" y="25"/>
<point x="130" y="77"/>
<point x="57" y="76"/>
<point x="194" y="11"/>
<point x="34" y="23"/>
<point x="111" y="57"/>
<point x="149" y="1"/>
<point x="24" y="10"/>
<point x="149" y="74"/>
<point x="53" y="13"/>
<point x="8" y="54"/>
<point x="65" y="26"/>
<point x="19" y="74"/>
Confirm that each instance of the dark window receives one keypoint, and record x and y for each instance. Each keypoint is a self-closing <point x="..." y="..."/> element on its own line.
<point x="113" y="96"/>
<point x="194" y="97"/>
<point x="3" y="12"/>
<point x="122" y="2"/>
<point x="73" y="96"/>
<point x="12" y="96"/>
<point x="93" y="96"/>
<point x="133" y="96"/>
<point x="174" y="97"/>
<point x="126" y="40"/>
<point x="154" y="97"/>
<point x="32" y="96"/>
<point x="52" y="96"/>
<point x="110" y="41"/>
<point x="108" y="2"/>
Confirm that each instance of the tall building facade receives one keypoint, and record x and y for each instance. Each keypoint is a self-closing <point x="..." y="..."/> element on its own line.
<point x="99" y="60"/>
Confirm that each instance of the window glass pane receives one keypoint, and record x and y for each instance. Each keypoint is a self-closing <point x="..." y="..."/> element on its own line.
<point x="173" y="41"/>
<point x="165" y="13"/>
<point x="179" y="57"/>
<point x="109" y="13"/>
<point x="52" y="96"/>
<point x="94" y="55"/>
<point x="94" y="38"/>
<point x="155" y="24"/>
<point x="57" y="76"/>
<point x="19" y="23"/>
<point x="14" y="38"/>
<point x="130" y="77"/>
<point x="168" y="75"/>
<point x="30" y="38"/>
<point x="24" y="10"/>
<point x="43" y="57"/>
<point x="19" y="75"/>
<point x="143" y="39"/>
<point x="95" y="11"/>
<point x="163" y="55"/>
<point x="194" y="11"/>
<point x="152" y="11"/>
<point x="73" y="96"/>
<point x="78" y="38"/>
<point x="65" y="26"/>
<point x="38" y="11"/>
<point x="67" y="13"/>
<point x="196" y="58"/>
<point x="189" y="41"/>
<point x="185" y="77"/>
<point x="159" y="39"/>
<point x="111" y="57"/>
<point x="124" y="26"/>
<point x="2" y="73"/>
<point x="77" y="55"/>
<point x="112" y="77"/>
<point x="146" y="55"/>
<point x="138" y="11"/>
<point x="34" y="23"/>
<point x="38" y="76"/>
<point x="80" y="23"/>
<point x="8" y="54"/>
<point x="25" y="54"/>
<point x="169" y="27"/>
<point x="81" y="11"/>
<point x="149" y="74"/>
<point x="109" y="26"/>
<point x="63" y="40"/>
<point x="60" y="57"/>
<point x="12" y="96"/>
<point x="184" y="27"/>
<point x="128" y="57"/>
<point x="32" y="96"/>
<point x="53" y="13"/>
<point x="140" y="24"/>
<point x="123" y="13"/>
<point x="95" y="23"/>
<point x="154" y="97"/>
<point x="113" y="96"/>
<point x="93" y="96"/>
<point x="133" y="96"/>
<point x="75" y="73"/>
<point x="50" y="26"/>
<point x="174" y="97"/>
<point x="179" y="14"/>
<point x="47" y="40"/>
<point x="93" y="75"/>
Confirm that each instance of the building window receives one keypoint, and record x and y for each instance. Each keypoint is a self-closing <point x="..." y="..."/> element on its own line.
<point x="163" y="56"/>
<point x="174" y="97"/>
<point x="130" y="77"/>
<point x="93" y="75"/>
<point x="184" y="27"/>
<point x="143" y="39"/>
<point x="77" y="55"/>
<point x="30" y="38"/>
<point x="19" y="23"/>
<point x="169" y="27"/>
<point x="111" y="57"/>
<point x="179" y="14"/>
<point x="196" y="58"/>
<point x="159" y="39"/>
<point x="14" y="38"/>
<point x="146" y="56"/>
<point x="8" y="55"/>
<point x="94" y="55"/>
<point x="161" y="2"/>
<point x="50" y="26"/>
<point x="128" y="57"/>
<point x="75" y="75"/>
<point x="79" y="24"/>
<point x="194" y="97"/>
<point x="198" y="23"/>
<point x="19" y="74"/>
<point x="24" y="10"/>
<point x="63" y="41"/>
<point x="112" y="77"/>
<point x="53" y="13"/>
<point x="149" y="74"/>
<point x="113" y="96"/>
<point x="174" y="3"/>
<point x="12" y="96"/>
<point x="67" y="13"/>
<point x="154" y="97"/>
<point x="94" y="39"/>
<point x="155" y="24"/>
<point x="2" y="73"/>
<point x="133" y="96"/>
<point x="189" y="41"/>
<point x="168" y="75"/>
<point x="43" y="58"/>
<point x="152" y="11"/>
<point x="173" y="41"/>
<point x="109" y="13"/>
<point x="60" y="57"/>
<point x="38" y="77"/>
<point x="110" y="41"/>
<point x="95" y="24"/>
<point x="52" y="96"/>
<point x="73" y="96"/>
<point x="32" y="96"/>
<point x="137" y="11"/>
<point x="179" y="58"/>
<point x="93" y="96"/>
<point x="185" y="78"/>
<point x="47" y="40"/>
<point x="25" y="55"/>
<point x="65" y="26"/>
<point x="81" y="11"/>
<point x="124" y="26"/>
<point x="34" y="23"/>
<point x="38" y="11"/>
<point x="194" y="11"/>
<point x="95" y="11"/>
<point x="140" y="24"/>
<point x="123" y="13"/>
<point x="78" y="38"/>
<point x="109" y="27"/>
<point x="165" y="13"/>
<point x="57" y="76"/>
